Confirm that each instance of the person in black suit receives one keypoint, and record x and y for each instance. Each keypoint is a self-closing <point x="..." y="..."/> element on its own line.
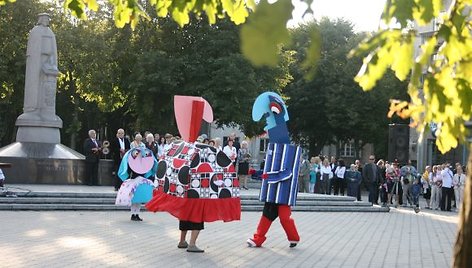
<point x="92" y="149"/>
<point x="371" y="173"/>
<point x="118" y="147"/>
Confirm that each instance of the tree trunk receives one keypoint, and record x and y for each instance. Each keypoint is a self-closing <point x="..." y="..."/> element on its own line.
<point x="463" y="247"/>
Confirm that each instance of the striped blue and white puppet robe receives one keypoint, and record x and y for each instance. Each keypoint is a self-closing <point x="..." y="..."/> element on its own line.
<point x="282" y="164"/>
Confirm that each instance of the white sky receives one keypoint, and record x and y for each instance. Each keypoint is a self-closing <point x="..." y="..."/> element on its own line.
<point x="364" y="14"/>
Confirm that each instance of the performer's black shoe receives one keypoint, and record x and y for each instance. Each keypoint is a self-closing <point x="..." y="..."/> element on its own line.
<point x="135" y="217"/>
<point x="183" y="244"/>
<point x="292" y="245"/>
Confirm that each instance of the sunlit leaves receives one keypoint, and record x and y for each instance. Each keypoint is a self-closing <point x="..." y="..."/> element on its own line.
<point x="426" y="10"/>
<point x="6" y="90"/>
<point x="405" y="11"/>
<point x="4" y="2"/>
<point x="441" y="76"/>
<point x="78" y="7"/>
<point x="130" y="11"/>
<point x="265" y="31"/>
<point x="127" y="12"/>
<point x="398" y="107"/>
<point x="392" y="48"/>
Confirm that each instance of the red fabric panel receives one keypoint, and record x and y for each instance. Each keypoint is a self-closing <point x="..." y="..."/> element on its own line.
<point x="196" y="209"/>
<point x="196" y="120"/>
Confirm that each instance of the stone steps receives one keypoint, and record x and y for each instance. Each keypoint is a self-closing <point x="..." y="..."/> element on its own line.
<point x="111" y="201"/>
<point x="110" y="207"/>
<point x="105" y="201"/>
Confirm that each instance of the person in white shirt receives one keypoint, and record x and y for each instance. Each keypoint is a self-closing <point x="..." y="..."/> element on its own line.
<point x="326" y="175"/>
<point x="230" y="151"/>
<point x="218" y="144"/>
<point x="436" y="182"/>
<point x="447" y="190"/>
<point x="458" y="181"/>
<point x="160" y="147"/>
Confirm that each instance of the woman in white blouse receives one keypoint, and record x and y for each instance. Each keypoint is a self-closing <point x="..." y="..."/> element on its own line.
<point x="326" y="175"/>
<point x="231" y="151"/>
<point x="458" y="181"/>
<point x="436" y="179"/>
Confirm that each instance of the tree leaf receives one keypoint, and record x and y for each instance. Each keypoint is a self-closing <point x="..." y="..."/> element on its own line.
<point x="251" y="4"/>
<point x="77" y="8"/>
<point x="265" y="30"/>
<point x="425" y="11"/>
<point x="400" y="11"/>
<point x="403" y="61"/>
<point x="91" y="4"/>
<point x="4" y="2"/>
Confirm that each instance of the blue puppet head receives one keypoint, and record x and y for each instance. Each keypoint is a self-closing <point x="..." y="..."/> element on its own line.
<point x="271" y="106"/>
<point x="140" y="161"/>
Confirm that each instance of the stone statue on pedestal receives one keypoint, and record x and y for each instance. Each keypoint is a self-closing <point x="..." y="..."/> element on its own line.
<point x="38" y="156"/>
<point x="39" y="122"/>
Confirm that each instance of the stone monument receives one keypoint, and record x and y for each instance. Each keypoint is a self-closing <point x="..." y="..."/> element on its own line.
<point x="37" y="155"/>
<point x="39" y="122"/>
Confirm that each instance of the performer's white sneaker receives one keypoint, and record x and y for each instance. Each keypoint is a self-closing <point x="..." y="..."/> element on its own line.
<point x="251" y="243"/>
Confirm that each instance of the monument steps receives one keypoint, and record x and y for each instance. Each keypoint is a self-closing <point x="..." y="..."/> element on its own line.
<point x="39" y="201"/>
<point x="111" y="201"/>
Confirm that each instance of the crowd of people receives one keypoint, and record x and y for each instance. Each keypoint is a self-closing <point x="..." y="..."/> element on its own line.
<point x="442" y="186"/>
<point x="158" y="144"/>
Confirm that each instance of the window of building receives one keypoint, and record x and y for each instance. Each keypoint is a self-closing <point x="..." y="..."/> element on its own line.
<point x="348" y="150"/>
<point x="263" y="145"/>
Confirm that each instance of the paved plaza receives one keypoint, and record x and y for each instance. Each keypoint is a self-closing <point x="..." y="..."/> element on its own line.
<point x="399" y="238"/>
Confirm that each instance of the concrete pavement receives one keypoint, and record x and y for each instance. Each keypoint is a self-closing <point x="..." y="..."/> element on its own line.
<point x="400" y="238"/>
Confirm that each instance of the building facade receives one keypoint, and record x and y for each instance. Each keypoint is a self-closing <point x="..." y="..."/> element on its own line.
<point x="424" y="151"/>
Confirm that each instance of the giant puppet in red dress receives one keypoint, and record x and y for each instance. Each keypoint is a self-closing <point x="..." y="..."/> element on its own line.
<point x="196" y="183"/>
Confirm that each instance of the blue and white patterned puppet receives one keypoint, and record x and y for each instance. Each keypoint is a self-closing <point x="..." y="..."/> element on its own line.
<point x="136" y="167"/>
<point x="282" y="163"/>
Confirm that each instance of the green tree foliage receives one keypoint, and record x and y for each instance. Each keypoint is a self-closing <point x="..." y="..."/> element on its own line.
<point x="132" y="11"/>
<point x="4" y="2"/>
<point x="444" y="64"/>
<point x="201" y="60"/>
<point x="114" y="78"/>
<point x="331" y="107"/>
<point x="445" y="95"/>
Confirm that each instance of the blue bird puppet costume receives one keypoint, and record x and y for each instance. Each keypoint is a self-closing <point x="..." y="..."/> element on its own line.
<point x="280" y="178"/>
<point x="137" y="166"/>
